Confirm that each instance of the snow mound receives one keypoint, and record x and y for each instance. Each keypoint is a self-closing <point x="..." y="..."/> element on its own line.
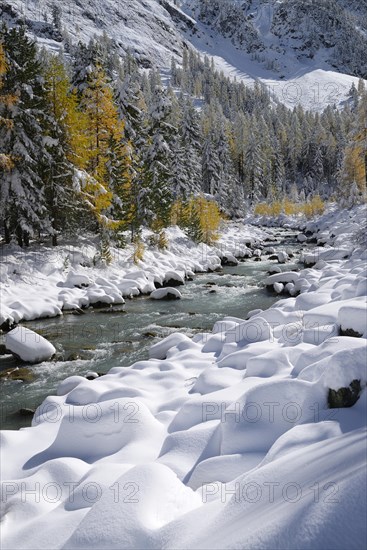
<point x="160" y="349"/>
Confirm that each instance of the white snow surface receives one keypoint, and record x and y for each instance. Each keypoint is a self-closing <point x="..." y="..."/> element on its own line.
<point x="220" y="441"/>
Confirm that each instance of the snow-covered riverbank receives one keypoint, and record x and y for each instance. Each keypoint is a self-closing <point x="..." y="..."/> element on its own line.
<point x="44" y="282"/>
<point x="225" y="440"/>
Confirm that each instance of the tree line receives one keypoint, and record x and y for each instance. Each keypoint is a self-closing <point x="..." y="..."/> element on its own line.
<point x="91" y="141"/>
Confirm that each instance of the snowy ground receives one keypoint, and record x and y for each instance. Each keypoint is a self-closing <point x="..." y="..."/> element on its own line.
<point x="222" y="441"/>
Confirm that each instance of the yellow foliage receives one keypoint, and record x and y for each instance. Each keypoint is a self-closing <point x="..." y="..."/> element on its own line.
<point x="315" y="207"/>
<point x="209" y="217"/>
<point x="162" y="241"/>
<point x="276" y="208"/>
<point x="103" y="122"/>
<point x="98" y="198"/>
<point x="159" y="240"/>
<point x="199" y="217"/>
<point x="64" y="105"/>
<point x="157" y="225"/>
<point x="139" y="250"/>
<point x="307" y="210"/>
<point x="178" y="213"/>
<point x="318" y="205"/>
<point x="355" y="160"/>
<point x="6" y="162"/>
<point x="289" y="207"/>
<point x="262" y="209"/>
<point x="2" y="61"/>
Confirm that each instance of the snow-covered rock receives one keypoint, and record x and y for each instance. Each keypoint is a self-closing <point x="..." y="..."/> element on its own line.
<point x="160" y="349"/>
<point x="28" y="345"/>
<point x="166" y="293"/>
<point x="301" y="238"/>
<point x="282" y="277"/>
<point x="278" y="287"/>
<point x="282" y="257"/>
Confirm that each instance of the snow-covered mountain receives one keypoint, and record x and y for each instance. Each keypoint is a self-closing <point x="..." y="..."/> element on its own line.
<point x="332" y="32"/>
<point x="305" y="51"/>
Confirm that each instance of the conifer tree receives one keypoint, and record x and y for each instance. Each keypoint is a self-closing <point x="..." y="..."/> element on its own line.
<point x="22" y="138"/>
<point x="155" y="195"/>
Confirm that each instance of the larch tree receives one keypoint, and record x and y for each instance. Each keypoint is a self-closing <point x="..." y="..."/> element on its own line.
<point x="104" y="128"/>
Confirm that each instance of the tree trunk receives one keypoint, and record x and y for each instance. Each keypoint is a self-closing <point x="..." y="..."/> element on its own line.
<point x="26" y="238"/>
<point x="19" y="234"/>
<point x="6" y="233"/>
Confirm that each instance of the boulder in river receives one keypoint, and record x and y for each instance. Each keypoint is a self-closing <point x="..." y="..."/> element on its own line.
<point x="28" y="345"/>
<point x="166" y="294"/>
<point x="229" y="260"/>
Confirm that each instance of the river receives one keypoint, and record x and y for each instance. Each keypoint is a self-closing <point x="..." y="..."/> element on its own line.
<point x="105" y="338"/>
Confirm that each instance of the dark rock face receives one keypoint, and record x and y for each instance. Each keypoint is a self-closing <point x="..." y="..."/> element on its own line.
<point x="344" y="397"/>
<point x="350" y="332"/>
<point x="26" y="412"/>
<point x="170" y="296"/>
<point x="172" y="282"/>
<point x="7" y="326"/>
<point x="228" y="262"/>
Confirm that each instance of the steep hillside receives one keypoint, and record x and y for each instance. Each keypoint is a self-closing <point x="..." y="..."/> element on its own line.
<point x="332" y="32"/>
<point x="144" y="27"/>
<point x="306" y="52"/>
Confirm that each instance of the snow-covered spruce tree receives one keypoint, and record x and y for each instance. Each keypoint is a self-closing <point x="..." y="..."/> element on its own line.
<point x="254" y="169"/>
<point x="192" y="142"/>
<point x="131" y="101"/>
<point x="186" y="149"/>
<point x="155" y="196"/>
<point x="120" y="176"/>
<point x="210" y="161"/>
<point x="99" y="52"/>
<point x="23" y="139"/>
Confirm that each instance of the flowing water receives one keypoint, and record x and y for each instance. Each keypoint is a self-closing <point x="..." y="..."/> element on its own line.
<point x="102" y="339"/>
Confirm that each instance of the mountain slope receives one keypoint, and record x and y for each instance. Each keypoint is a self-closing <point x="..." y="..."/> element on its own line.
<point x="305" y="52"/>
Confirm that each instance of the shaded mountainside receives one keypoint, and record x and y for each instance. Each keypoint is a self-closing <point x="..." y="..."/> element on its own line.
<point x="328" y="35"/>
<point x="333" y="33"/>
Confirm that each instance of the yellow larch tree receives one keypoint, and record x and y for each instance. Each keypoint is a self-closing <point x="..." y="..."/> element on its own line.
<point x="108" y="163"/>
<point x="6" y="100"/>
